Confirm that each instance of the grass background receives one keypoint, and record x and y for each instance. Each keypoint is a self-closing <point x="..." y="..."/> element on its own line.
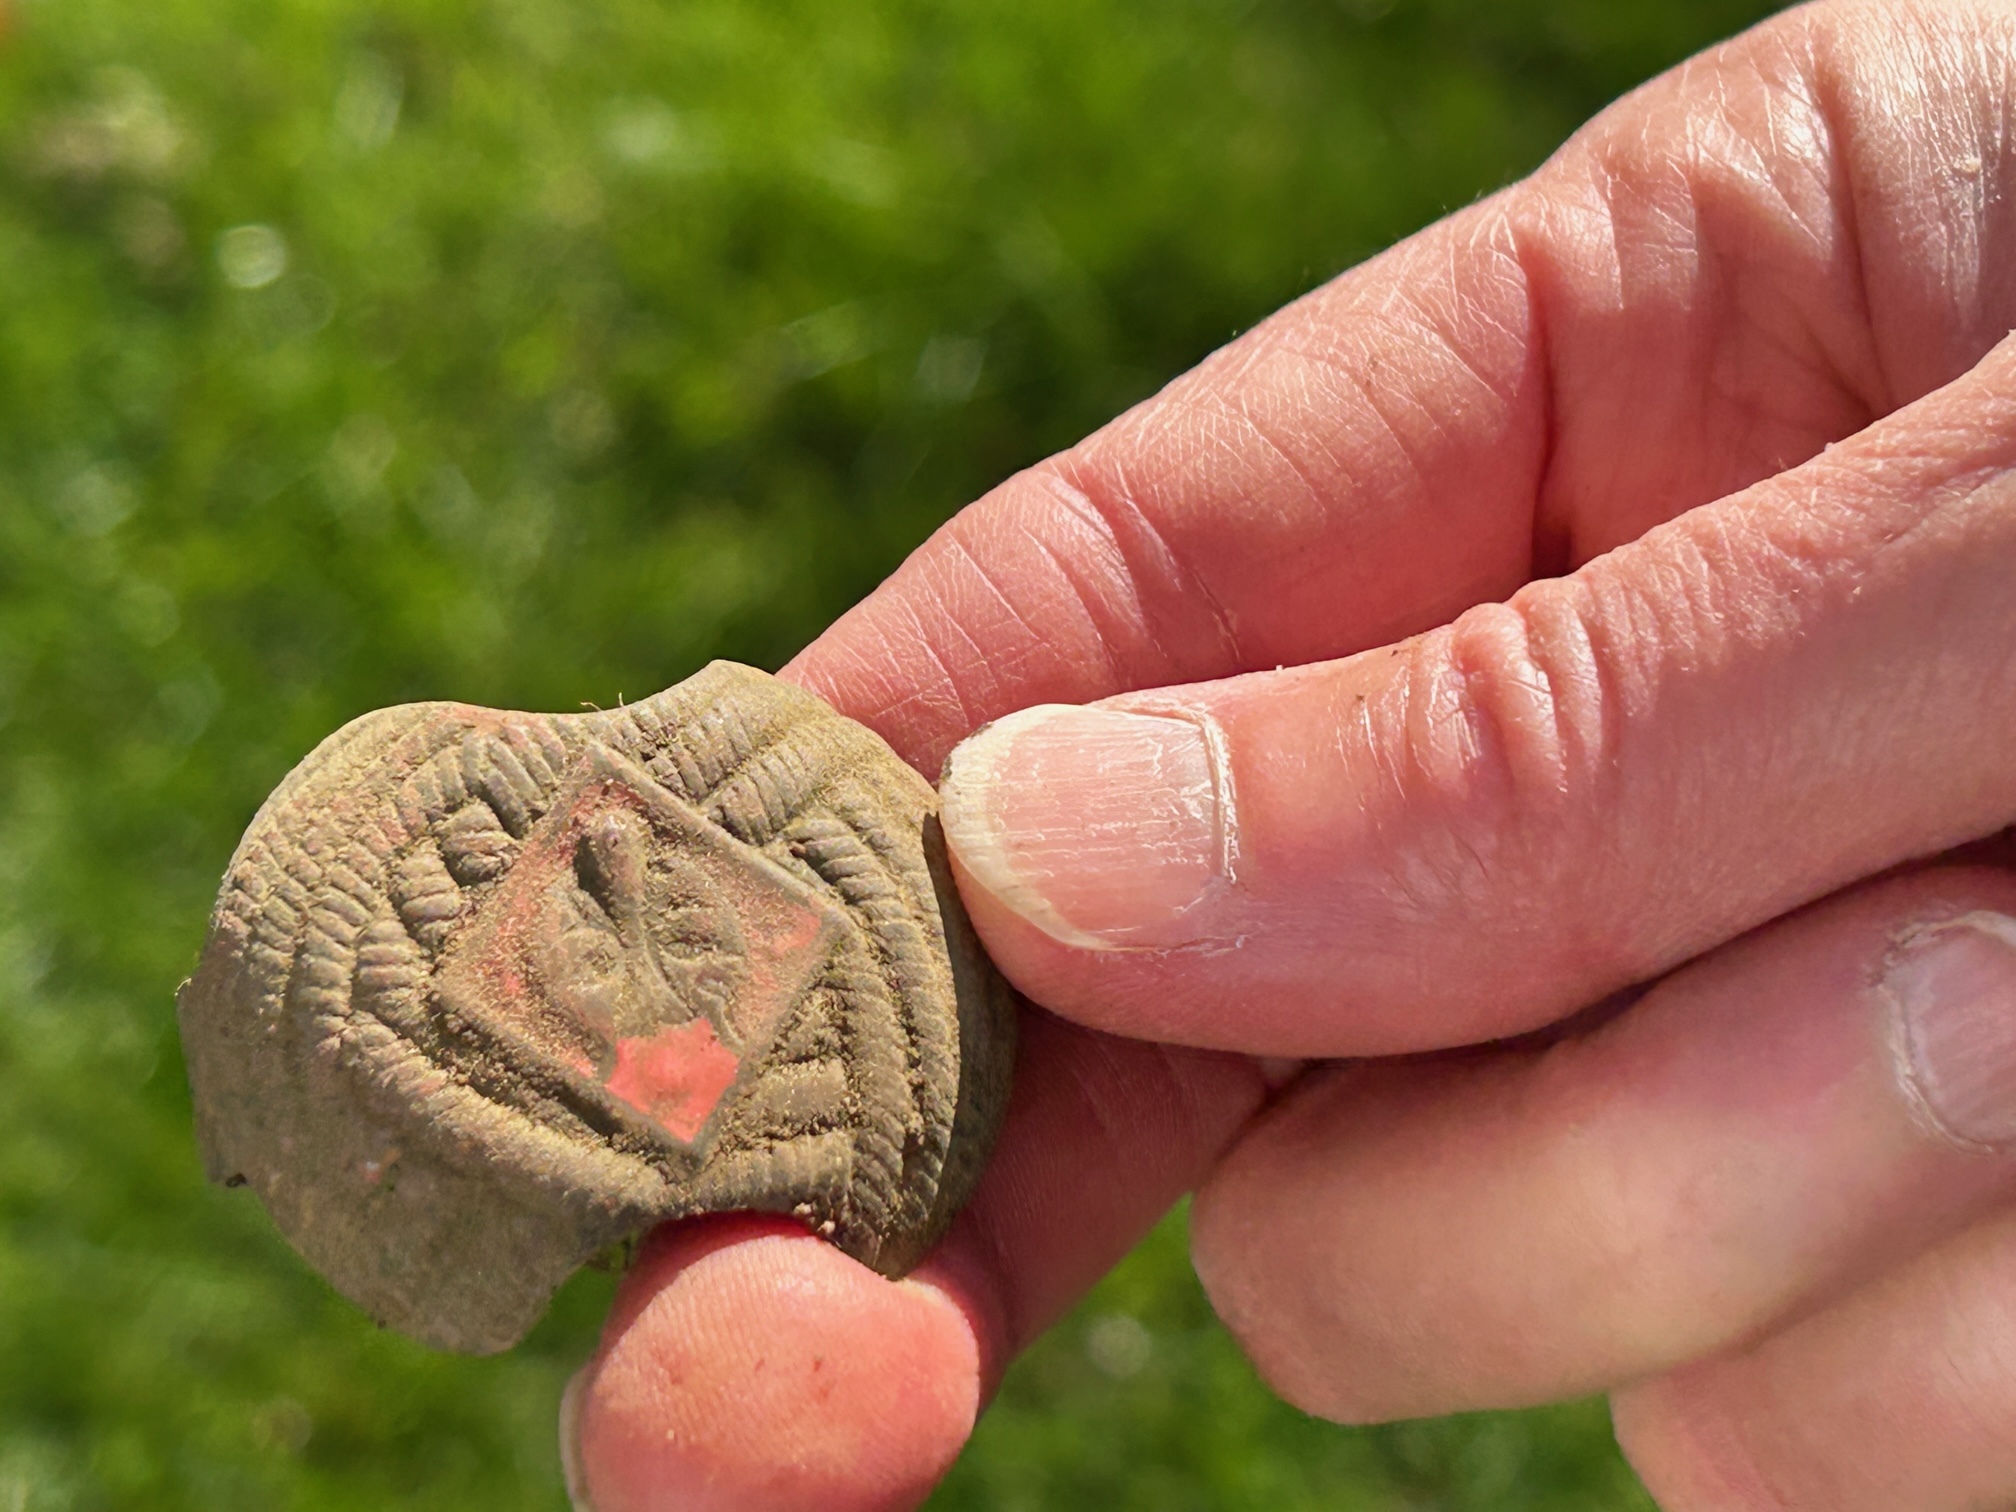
<point x="535" y="351"/>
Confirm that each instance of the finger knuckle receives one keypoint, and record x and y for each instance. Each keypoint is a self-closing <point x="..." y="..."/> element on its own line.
<point x="1279" y="1322"/>
<point x="1503" y="715"/>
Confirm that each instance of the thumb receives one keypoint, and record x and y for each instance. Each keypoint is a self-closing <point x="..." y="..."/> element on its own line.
<point x="1473" y="832"/>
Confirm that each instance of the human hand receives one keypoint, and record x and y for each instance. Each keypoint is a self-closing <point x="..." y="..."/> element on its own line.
<point x="1675" y="673"/>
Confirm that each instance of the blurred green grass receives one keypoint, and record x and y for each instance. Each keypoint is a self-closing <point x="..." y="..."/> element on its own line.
<point x="533" y="352"/>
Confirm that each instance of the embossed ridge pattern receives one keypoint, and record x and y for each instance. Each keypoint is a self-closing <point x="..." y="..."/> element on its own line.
<point x="485" y="993"/>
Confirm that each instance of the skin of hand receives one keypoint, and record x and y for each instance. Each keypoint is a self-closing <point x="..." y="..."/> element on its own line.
<point x="1609" y="585"/>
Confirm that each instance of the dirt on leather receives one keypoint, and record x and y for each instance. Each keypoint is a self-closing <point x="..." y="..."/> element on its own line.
<point x="485" y="993"/>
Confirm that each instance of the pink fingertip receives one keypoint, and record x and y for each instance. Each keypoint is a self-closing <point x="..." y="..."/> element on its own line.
<point x="749" y="1365"/>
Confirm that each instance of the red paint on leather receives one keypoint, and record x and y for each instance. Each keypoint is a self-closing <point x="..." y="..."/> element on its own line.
<point x="676" y="1076"/>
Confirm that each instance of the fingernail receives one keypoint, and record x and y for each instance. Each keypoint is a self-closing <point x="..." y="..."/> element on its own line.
<point x="1952" y="986"/>
<point x="570" y="1440"/>
<point x="1103" y="828"/>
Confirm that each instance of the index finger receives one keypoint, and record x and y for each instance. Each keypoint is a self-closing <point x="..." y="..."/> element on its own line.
<point x="1362" y="464"/>
<point x="1729" y="269"/>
